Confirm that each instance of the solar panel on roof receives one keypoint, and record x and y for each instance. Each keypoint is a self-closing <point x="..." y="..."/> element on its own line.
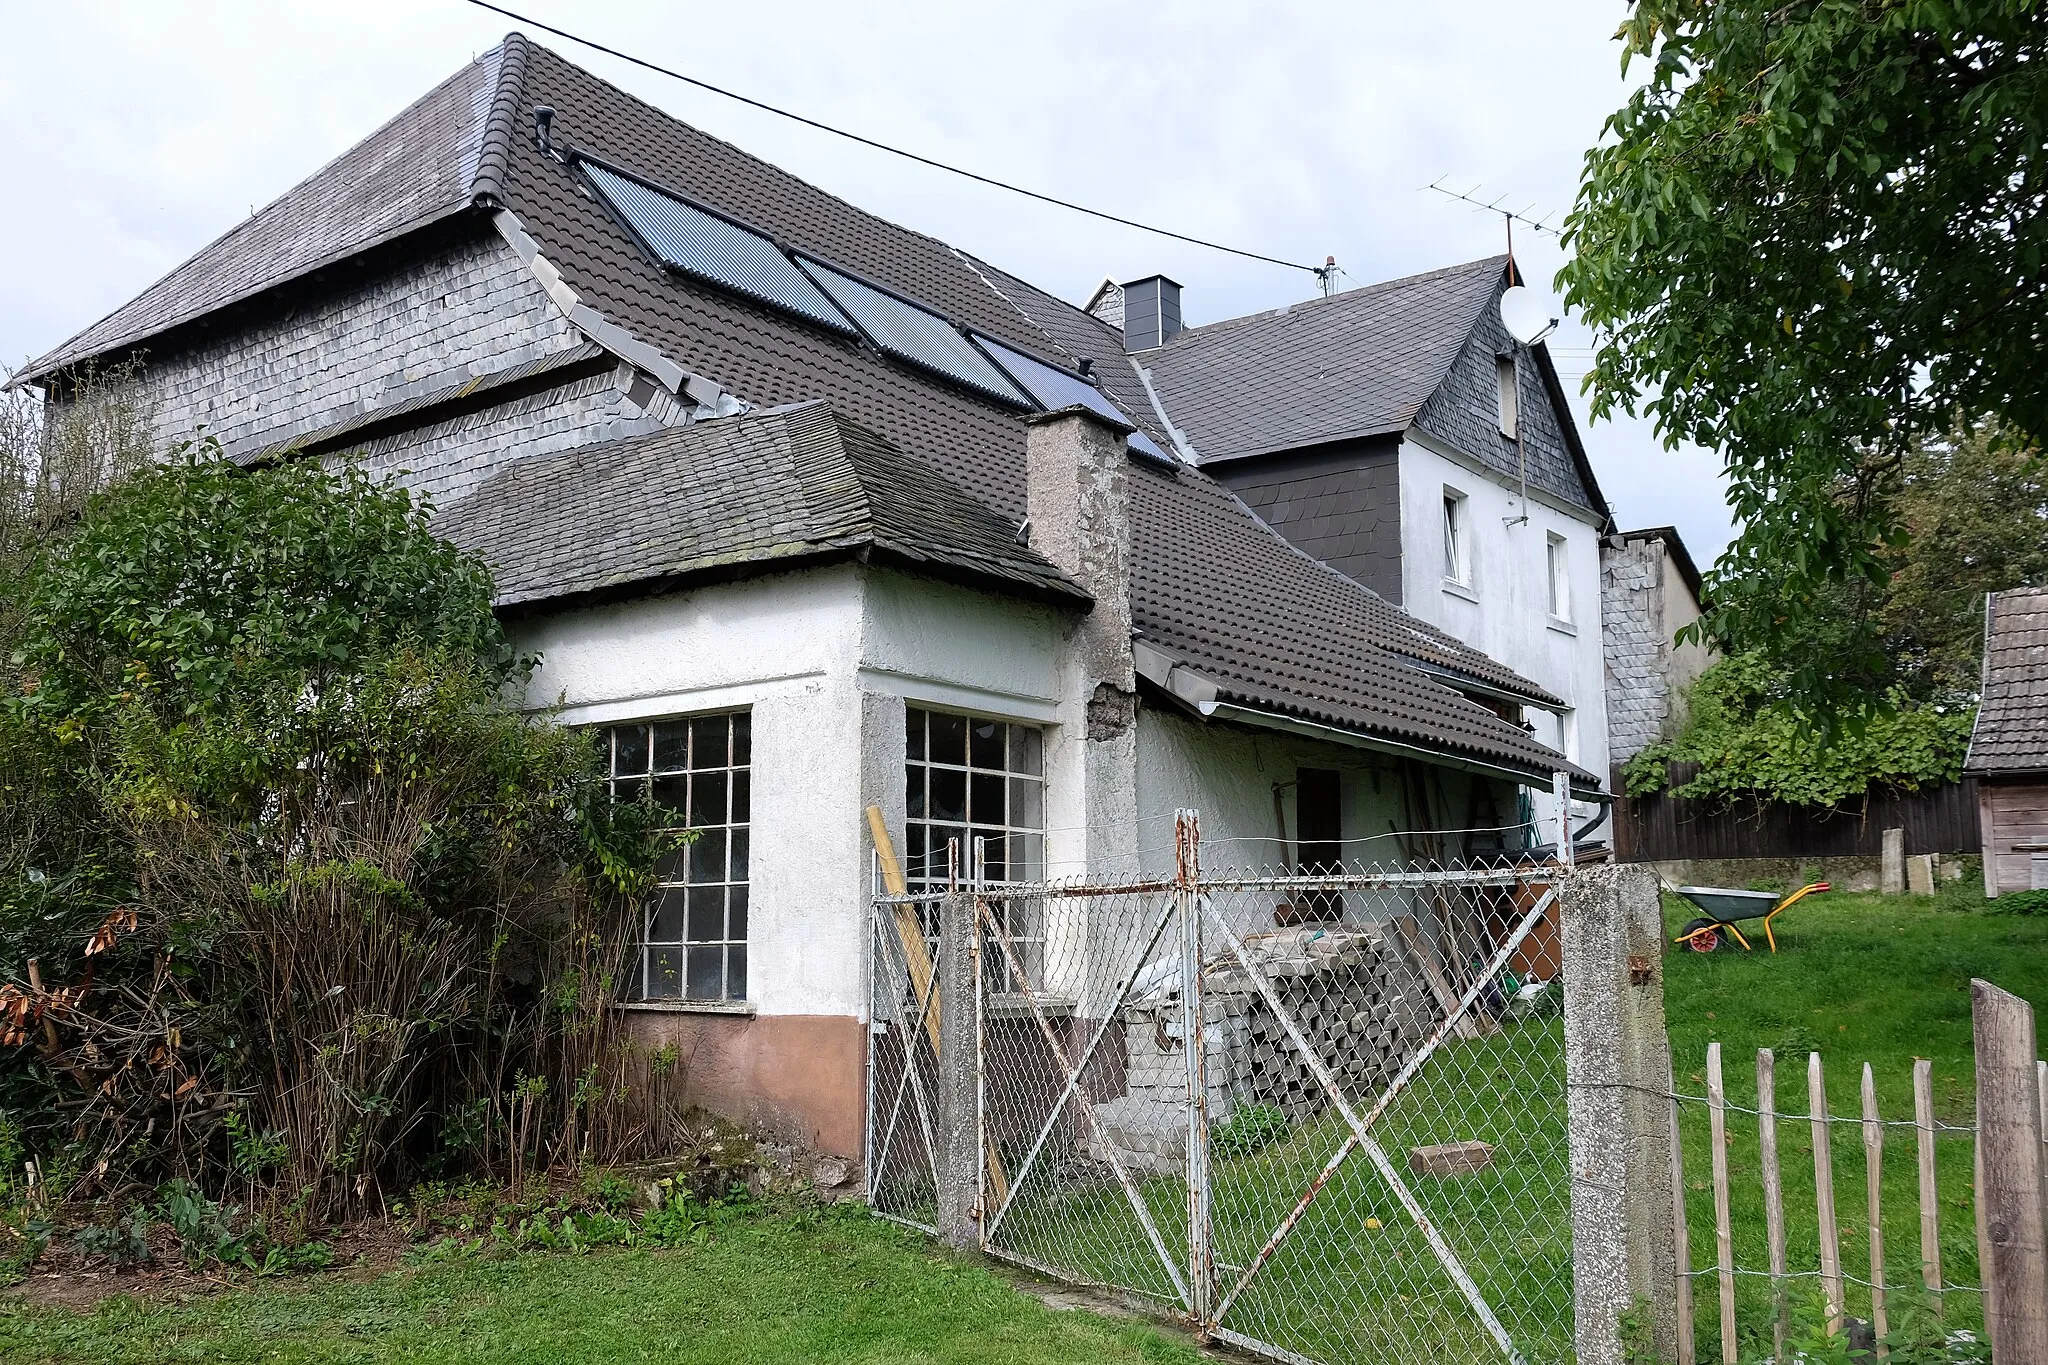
<point x="707" y="246"/>
<point x="1056" y="388"/>
<point x="915" y="334"/>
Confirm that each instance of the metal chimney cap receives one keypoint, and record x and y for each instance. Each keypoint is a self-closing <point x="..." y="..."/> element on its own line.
<point x="543" y="126"/>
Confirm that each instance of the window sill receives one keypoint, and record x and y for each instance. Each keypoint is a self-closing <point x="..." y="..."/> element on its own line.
<point x="1457" y="589"/>
<point x="739" y="1007"/>
<point x="1562" y="626"/>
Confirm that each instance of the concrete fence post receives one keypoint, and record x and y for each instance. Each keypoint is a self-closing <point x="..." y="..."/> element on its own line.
<point x="959" y="1103"/>
<point x="1891" y="867"/>
<point x="1617" y="1070"/>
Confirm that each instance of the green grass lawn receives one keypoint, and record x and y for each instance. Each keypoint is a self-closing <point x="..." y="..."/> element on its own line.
<point x="1860" y="978"/>
<point x="838" y="1288"/>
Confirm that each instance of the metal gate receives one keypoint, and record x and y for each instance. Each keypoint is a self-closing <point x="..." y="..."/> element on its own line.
<point x="1321" y="1117"/>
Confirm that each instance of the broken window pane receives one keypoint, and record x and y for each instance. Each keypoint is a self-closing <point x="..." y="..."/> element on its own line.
<point x="671" y="747"/>
<point x="948" y="739"/>
<point x="985" y="739"/>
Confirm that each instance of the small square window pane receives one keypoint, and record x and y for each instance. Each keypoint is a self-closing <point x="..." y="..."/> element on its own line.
<point x="664" y="973"/>
<point x="985" y="799"/>
<point x="1027" y="857"/>
<point x="673" y="793"/>
<point x="669" y="866"/>
<point x="1027" y="803"/>
<point x="948" y="795"/>
<point x="629" y="750"/>
<point x="671" y="746"/>
<point x="707" y="915"/>
<point x="736" y="972"/>
<point x="736" y="912"/>
<point x="707" y="799"/>
<point x="994" y="862"/>
<point x="986" y="742"/>
<point x="666" y="924"/>
<point x="707" y="857"/>
<point x="913" y="736"/>
<point x="709" y="737"/>
<point x="949" y="739"/>
<point x="1027" y="750"/>
<point x="914" y="846"/>
<point x="632" y="789"/>
<point x="742" y="795"/>
<point x="707" y="973"/>
<point x="913" y="792"/>
<point x="739" y="856"/>
<point x="742" y="738"/>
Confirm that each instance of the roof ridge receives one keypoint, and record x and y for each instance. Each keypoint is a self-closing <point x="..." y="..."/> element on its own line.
<point x="495" y="154"/>
<point x="1329" y="300"/>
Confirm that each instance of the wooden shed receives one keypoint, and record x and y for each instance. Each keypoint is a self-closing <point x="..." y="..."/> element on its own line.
<point x="2009" y="746"/>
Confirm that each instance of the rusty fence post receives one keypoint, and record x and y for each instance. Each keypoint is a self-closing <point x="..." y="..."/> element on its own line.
<point x="2009" y="1150"/>
<point x="1617" y="1070"/>
<point x="1194" y="1023"/>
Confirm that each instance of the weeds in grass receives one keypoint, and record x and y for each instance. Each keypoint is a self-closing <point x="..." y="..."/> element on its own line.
<point x="1248" y="1128"/>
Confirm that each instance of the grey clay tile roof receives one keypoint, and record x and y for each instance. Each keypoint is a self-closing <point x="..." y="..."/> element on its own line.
<point x="2011" y="733"/>
<point x="1212" y="584"/>
<point x="761" y="488"/>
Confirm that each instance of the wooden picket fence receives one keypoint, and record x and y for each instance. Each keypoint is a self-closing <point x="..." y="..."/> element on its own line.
<point x="1996" y="1281"/>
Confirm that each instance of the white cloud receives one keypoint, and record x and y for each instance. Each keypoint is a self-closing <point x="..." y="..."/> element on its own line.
<point x="1292" y="129"/>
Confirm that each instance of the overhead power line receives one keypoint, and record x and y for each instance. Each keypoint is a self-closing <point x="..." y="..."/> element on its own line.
<point x="595" y="46"/>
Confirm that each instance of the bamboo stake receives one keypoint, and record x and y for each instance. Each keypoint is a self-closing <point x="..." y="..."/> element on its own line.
<point x="919" y="960"/>
<point x="1774" y="1192"/>
<point x="1686" y="1347"/>
<point x="1824" y="1192"/>
<point x="1873" y="1185"/>
<point x="1930" y="1196"/>
<point x="1724" y="1240"/>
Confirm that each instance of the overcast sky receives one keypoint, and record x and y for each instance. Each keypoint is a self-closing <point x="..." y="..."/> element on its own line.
<point x="143" y="130"/>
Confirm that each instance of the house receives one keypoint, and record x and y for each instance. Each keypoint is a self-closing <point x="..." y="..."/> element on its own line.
<point x="806" y="512"/>
<point x="1649" y="591"/>
<point x="2009" y="742"/>
<point x="1398" y="434"/>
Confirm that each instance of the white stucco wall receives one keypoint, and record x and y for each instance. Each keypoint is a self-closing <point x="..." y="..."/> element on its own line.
<point x="826" y="660"/>
<point x="1505" y="611"/>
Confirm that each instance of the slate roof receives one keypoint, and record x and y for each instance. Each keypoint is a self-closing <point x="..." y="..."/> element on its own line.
<point x="420" y="167"/>
<point x="773" y="485"/>
<point x="1377" y="361"/>
<point x="2011" y="733"/>
<point x="1211" y="583"/>
<point x="1359" y="363"/>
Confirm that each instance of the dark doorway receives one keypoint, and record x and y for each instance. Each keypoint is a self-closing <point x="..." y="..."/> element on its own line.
<point x="1319" y="832"/>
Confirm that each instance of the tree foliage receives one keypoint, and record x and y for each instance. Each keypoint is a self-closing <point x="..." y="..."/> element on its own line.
<point x="282" y="851"/>
<point x="1813" y="236"/>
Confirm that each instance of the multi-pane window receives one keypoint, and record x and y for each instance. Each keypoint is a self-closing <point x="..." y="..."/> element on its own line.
<point x="694" y="944"/>
<point x="1558" y="565"/>
<point x="967" y="778"/>
<point x="1457" y="562"/>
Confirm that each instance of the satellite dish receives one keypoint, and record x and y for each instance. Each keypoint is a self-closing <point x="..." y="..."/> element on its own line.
<point x="1526" y="315"/>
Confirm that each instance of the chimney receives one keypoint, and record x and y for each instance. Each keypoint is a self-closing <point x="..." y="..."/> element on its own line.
<point x="1151" y="312"/>
<point x="1078" y="493"/>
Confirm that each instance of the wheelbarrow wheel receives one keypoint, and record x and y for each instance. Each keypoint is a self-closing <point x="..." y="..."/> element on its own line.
<point x="1701" y="935"/>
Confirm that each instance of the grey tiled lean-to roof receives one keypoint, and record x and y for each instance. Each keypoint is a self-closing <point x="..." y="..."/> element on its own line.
<point x="762" y="489"/>
<point x="1212" y="585"/>
<point x="2011" y="733"/>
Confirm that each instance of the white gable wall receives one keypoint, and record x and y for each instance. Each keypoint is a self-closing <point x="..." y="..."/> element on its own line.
<point x="1505" y="612"/>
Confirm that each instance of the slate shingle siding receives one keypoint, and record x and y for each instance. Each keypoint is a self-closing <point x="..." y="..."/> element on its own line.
<point x="1465" y="411"/>
<point x="1341" y="504"/>
<point x="1637" y="650"/>
<point x="435" y="322"/>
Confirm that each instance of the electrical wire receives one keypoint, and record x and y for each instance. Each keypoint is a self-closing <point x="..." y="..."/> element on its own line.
<point x="595" y="46"/>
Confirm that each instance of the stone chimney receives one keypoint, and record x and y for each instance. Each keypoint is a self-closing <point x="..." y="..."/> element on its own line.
<point x="1151" y="312"/>
<point x="1079" y="499"/>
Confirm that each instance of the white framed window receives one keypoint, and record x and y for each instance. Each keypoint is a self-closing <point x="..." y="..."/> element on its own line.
<point x="1457" y="538"/>
<point x="969" y="777"/>
<point x="1508" y="384"/>
<point x="1557" y="555"/>
<point x="694" y="934"/>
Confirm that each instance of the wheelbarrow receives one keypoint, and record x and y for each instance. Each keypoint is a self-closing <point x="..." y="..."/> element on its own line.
<point x="1725" y="909"/>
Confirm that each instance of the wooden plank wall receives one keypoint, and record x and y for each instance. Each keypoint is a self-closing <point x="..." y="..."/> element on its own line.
<point x="2015" y="814"/>
<point x="1940" y="819"/>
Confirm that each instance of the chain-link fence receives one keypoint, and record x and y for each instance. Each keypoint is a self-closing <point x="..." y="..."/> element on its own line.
<point x="1321" y="1116"/>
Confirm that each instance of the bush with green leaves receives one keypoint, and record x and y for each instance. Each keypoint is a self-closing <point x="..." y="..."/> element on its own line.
<point x="306" y="887"/>
<point x="1249" y="1128"/>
